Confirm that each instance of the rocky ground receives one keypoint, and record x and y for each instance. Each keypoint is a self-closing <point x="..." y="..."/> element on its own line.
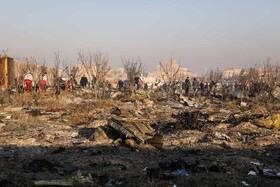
<point x="142" y="140"/>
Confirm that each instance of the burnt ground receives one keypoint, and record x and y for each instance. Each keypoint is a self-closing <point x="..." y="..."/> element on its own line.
<point x="48" y="141"/>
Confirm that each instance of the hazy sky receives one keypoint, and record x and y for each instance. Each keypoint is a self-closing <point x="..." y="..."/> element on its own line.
<point x="201" y="34"/>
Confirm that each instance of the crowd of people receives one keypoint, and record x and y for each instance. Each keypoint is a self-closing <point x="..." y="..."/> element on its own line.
<point x="224" y="88"/>
<point x="30" y="84"/>
<point x="189" y="87"/>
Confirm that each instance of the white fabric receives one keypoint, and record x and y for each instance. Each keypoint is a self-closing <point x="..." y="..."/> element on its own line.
<point x="28" y="76"/>
<point x="45" y="77"/>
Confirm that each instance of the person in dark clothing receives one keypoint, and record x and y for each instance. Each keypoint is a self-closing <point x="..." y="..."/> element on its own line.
<point x="109" y="88"/>
<point x="201" y="85"/>
<point x="94" y="80"/>
<point x="187" y="86"/>
<point x="84" y="81"/>
<point x="145" y="86"/>
<point x="212" y="87"/>
<point x="137" y="82"/>
<point x="120" y="85"/>
<point x="164" y="87"/>
<point x="195" y="86"/>
<point x="207" y="89"/>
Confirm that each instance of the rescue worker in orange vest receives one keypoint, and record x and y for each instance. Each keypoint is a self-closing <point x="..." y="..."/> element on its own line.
<point x="28" y="81"/>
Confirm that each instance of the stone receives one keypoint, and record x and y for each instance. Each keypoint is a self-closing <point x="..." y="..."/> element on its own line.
<point x="8" y="117"/>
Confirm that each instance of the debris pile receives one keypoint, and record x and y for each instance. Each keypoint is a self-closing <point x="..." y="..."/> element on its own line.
<point x="146" y="139"/>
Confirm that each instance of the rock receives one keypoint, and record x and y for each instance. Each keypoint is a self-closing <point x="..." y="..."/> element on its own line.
<point x="8" y="117"/>
<point x="221" y="136"/>
<point x="253" y="173"/>
<point x="244" y="104"/>
<point x="75" y="135"/>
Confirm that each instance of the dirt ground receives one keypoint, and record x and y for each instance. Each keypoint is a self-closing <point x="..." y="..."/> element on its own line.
<point x="49" y="141"/>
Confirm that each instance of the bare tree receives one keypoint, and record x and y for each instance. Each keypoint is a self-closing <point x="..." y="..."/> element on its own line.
<point x="101" y="66"/>
<point x="23" y="66"/>
<point x="132" y="69"/>
<point x="4" y="53"/>
<point x="87" y="61"/>
<point x="43" y="68"/>
<point x="277" y="71"/>
<point x="55" y="70"/>
<point x="33" y="67"/>
<point x="96" y="64"/>
<point x="270" y="76"/>
<point x="215" y="75"/>
<point x="101" y="70"/>
<point x="71" y="71"/>
<point x="271" y="72"/>
<point x="170" y="71"/>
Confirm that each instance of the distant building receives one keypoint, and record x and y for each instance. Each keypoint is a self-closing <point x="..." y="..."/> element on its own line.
<point x="231" y="73"/>
<point x="180" y="76"/>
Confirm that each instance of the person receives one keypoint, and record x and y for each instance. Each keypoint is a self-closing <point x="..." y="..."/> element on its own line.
<point x="177" y="87"/>
<point x="145" y="86"/>
<point x="43" y="82"/>
<point x="120" y="85"/>
<point x="201" y="85"/>
<point x="207" y="89"/>
<point x="195" y="86"/>
<point x="28" y="81"/>
<point x="137" y="82"/>
<point x="109" y="88"/>
<point x="93" y="83"/>
<point x="84" y="81"/>
<point x="70" y="84"/>
<point x="212" y="87"/>
<point x="164" y="87"/>
<point x="187" y="86"/>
